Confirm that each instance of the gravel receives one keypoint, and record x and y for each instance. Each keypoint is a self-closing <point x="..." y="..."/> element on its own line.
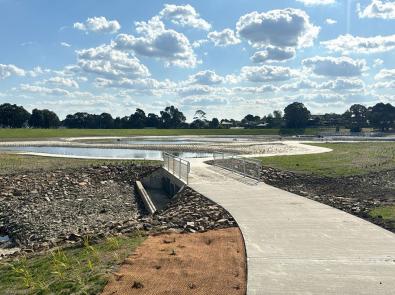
<point x="44" y="209"/>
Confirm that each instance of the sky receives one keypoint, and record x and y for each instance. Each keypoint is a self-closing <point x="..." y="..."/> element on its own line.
<point x="226" y="57"/>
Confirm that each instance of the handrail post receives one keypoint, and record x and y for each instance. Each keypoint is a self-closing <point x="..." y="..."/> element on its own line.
<point x="179" y="170"/>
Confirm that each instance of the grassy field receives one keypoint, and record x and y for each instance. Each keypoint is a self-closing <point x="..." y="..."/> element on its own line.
<point x="13" y="134"/>
<point x="82" y="270"/>
<point x="346" y="159"/>
<point x="13" y="163"/>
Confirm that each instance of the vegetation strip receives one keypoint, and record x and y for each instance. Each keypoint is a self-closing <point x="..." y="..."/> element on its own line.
<point x="346" y="159"/>
<point x="81" y="270"/>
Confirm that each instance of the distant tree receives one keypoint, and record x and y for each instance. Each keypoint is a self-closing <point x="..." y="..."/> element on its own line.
<point x="274" y="120"/>
<point x="106" y="121"/>
<point x="117" y="123"/>
<point x="171" y="117"/>
<point x="198" y="124"/>
<point x="36" y="120"/>
<point x="43" y="119"/>
<point x="138" y="119"/>
<point x="13" y="116"/>
<point x="153" y="120"/>
<point x="199" y="115"/>
<point x="250" y="120"/>
<point x="125" y="122"/>
<point x="296" y="115"/>
<point x="214" y="123"/>
<point x="356" y="117"/>
<point x="382" y="116"/>
<point x="79" y="120"/>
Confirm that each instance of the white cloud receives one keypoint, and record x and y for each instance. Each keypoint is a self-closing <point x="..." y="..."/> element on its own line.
<point x="384" y="85"/>
<point x="37" y="71"/>
<point x="299" y="85"/>
<point x="386" y="74"/>
<point x="204" y="101"/>
<point x="98" y="24"/>
<point x="198" y="43"/>
<point x="283" y="28"/>
<point x="317" y="2"/>
<point x="267" y="73"/>
<point x="354" y="44"/>
<point x="159" y="42"/>
<point x="272" y="53"/>
<point x="223" y="38"/>
<point x="65" y="44"/>
<point x="206" y="78"/>
<point x="111" y="63"/>
<point x="377" y="9"/>
<point x="335" y="66"/>
<point x="44" y="90"/>
<point x="343" y="84"/>
<point x="330" y="21"/>
<point x="184" y="15"/>
<point x="195" y="90"/>
<point x="255" y="90"/>
<point x="10" y="70"/>
<point x="146" y="86"/>
<point x="377" y="62"/>
<point x="62" y="81"/>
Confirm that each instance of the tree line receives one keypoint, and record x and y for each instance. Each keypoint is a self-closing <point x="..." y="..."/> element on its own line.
<point x="295" y="115"/>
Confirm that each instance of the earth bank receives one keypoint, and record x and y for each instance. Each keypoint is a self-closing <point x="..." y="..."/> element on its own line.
<point x="41" y="210"/>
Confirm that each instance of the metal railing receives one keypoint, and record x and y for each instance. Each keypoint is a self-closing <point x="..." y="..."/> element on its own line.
<point x="177" y="166"/>
<point x="235" y="163"/>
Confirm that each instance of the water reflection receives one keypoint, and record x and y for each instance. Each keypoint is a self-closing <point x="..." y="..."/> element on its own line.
<point x="106" y="153"/>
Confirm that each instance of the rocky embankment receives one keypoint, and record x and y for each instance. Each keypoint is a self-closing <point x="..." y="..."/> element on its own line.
<point x="189" y="211"/>
<point x="46" y="209"/>
<point x="43" y="209"/>
<point x="354" y="194"/>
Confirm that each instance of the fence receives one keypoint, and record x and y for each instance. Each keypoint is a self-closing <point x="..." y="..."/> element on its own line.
<point x="177" y="166"/>
<point x="246" y="167"/>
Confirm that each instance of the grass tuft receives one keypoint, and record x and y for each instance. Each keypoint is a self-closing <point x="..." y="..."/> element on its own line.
<point x="387" y="213"/>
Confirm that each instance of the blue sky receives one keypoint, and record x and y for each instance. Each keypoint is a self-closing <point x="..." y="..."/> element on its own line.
<point x="229" y="58"/>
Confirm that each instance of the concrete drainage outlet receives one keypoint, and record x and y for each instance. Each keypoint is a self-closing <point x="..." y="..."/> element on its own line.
<point x="157" y="189"/>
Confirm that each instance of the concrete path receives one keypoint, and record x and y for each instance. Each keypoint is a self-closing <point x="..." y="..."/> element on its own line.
<point x="299" y="246"/>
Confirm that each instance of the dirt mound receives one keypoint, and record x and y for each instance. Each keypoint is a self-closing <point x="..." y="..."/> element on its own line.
<point x="200" y="263"/>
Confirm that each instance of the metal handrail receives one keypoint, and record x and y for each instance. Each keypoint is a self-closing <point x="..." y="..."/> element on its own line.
<point x="246" y="167"/>
<point x="177" y="166"/>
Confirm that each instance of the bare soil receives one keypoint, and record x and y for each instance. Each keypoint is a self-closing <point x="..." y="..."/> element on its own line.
<point x="212" y="262"/>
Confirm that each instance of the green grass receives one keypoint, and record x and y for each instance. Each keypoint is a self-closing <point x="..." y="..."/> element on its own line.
<point x="15" y="134"/>
<point x="386" y="212"/>
<point x="82" y="270"/>
<point x="14" y="163"/>
<point x="346" y="159"/>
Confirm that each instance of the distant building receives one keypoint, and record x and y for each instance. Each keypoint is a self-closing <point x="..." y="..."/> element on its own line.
<point x="262" y="125"/>
<point x="226" y="125"/>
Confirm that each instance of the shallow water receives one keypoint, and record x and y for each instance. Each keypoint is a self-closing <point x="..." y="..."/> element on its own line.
<point x="105" y="153"/>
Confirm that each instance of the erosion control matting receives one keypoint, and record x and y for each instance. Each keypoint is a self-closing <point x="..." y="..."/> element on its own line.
<point x="212" y="263"/>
